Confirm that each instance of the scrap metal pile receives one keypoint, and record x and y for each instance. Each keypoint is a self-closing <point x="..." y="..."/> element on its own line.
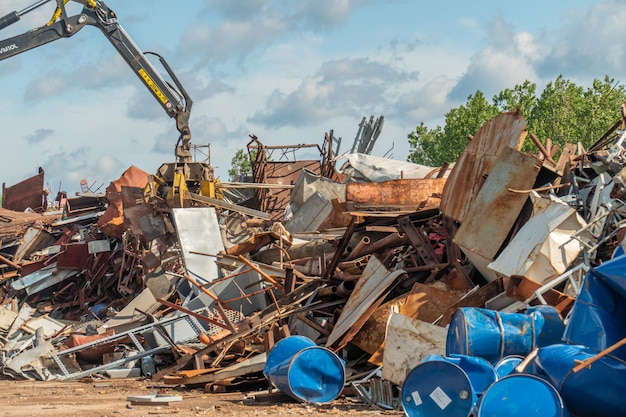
<point x="390" y="266"/>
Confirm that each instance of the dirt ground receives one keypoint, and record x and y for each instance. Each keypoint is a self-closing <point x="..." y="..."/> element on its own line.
<point x="109" y="398"/>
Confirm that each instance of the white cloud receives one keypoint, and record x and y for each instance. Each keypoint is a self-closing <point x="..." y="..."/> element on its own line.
<point x="590" y="43"/>
<point x="502" y="63"/>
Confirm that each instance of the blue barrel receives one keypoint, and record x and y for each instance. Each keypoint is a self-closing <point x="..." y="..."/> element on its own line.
<point x="521" y="395"/>
<point x="598" y="391"/>
<point x="549" y="327"/>
<point x="479" y="371"/>
<point x="304" y="371"/>
<point x="437" y="388"/>
<point x="492" y="335"/>
<point x="506" y="365"/>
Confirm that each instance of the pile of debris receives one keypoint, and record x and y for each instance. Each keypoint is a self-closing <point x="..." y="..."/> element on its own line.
<point x="373" y="264"/>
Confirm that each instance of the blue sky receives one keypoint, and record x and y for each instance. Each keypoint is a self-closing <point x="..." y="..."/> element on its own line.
<point x="285" y="70"/>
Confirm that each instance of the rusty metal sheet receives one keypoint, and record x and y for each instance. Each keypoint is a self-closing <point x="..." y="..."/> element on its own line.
<point x="138" y="217"/>
<point x="477" y="160"/>
<point x="409" y="193"/>
<point x="408" y="342"/>
<point x="495" y="208"/>
<point x="25" y="194"/>
<point x="424" y="302"/>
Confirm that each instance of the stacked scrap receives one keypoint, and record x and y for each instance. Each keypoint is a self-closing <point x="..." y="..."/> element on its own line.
<point x="372" y="270"/>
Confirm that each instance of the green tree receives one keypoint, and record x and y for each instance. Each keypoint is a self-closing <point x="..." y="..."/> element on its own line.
<point x="522" y="97"/>
<point x="564" y="112"/>
<point x="439" y="145"/>
<point x="240" y="166"/>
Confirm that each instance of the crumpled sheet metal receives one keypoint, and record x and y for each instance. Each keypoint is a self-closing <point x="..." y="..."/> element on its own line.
<point x="543" y="248"/>
<point x="480" y="236"/>
<point x="112" y="221"/>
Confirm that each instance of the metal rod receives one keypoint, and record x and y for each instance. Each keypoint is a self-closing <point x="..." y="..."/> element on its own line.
<point x="32" y="7"/>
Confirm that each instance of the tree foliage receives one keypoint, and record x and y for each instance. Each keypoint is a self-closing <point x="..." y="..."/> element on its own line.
<point x="240" y="166"/>
<point x="564" y="112"/>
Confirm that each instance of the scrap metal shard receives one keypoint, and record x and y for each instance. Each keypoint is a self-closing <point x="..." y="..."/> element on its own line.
<point x="373" y="283"/>
<point x="507" y="130"/>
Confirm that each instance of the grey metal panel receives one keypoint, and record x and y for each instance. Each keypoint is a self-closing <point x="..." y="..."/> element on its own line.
<point x="198" y="231"/>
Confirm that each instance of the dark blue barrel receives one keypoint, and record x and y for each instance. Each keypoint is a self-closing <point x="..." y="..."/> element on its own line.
<point x="521" y="395"/>
<point x="437" y="388"/>
<point x="597" y="391"/>
<point x="305" y="371"/>
<point x="492" y="335"/>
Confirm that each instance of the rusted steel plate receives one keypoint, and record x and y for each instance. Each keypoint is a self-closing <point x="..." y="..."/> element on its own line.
<point x="25" y="194"/>
<point x="403" y="193"/>
<point x="507" y="130"/>
<point x="495" y="209"/>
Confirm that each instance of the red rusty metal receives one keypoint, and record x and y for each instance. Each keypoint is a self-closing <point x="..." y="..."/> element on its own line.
<point x="26" y="194"/>
<point x="280" y="165"/>
<point x="74" y="256"/>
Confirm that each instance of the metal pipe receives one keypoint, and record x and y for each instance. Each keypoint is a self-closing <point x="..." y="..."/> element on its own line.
<point x="326" y="291"/>
<point x="346" y="288"/>
<point x="344" y="276"/>
<point x="358" y="248"/>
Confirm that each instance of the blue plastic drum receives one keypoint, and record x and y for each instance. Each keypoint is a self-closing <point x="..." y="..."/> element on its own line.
<point x="521" y="395"/>
<point x="598" y="391"/>
<point x="305" y="371"/>
<point x="492" y="335"/>
<point x="480" y="372"/>
<point x="437" y="388"/>
<point x="506" y="365"/>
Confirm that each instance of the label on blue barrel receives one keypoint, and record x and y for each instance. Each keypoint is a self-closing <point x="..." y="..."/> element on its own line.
<point x="416" y="398"/>
<point x="440" y="398"/>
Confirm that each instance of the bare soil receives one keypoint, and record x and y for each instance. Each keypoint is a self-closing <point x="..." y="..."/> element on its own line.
<point x="109" y="398"/>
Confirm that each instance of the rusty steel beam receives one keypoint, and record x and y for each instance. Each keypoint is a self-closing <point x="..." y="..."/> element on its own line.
<point x="419" y="241"/>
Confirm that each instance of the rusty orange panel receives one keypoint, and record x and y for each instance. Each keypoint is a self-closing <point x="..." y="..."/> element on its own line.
<point x="477" y="161"/>
<point x="408" y="192"/>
